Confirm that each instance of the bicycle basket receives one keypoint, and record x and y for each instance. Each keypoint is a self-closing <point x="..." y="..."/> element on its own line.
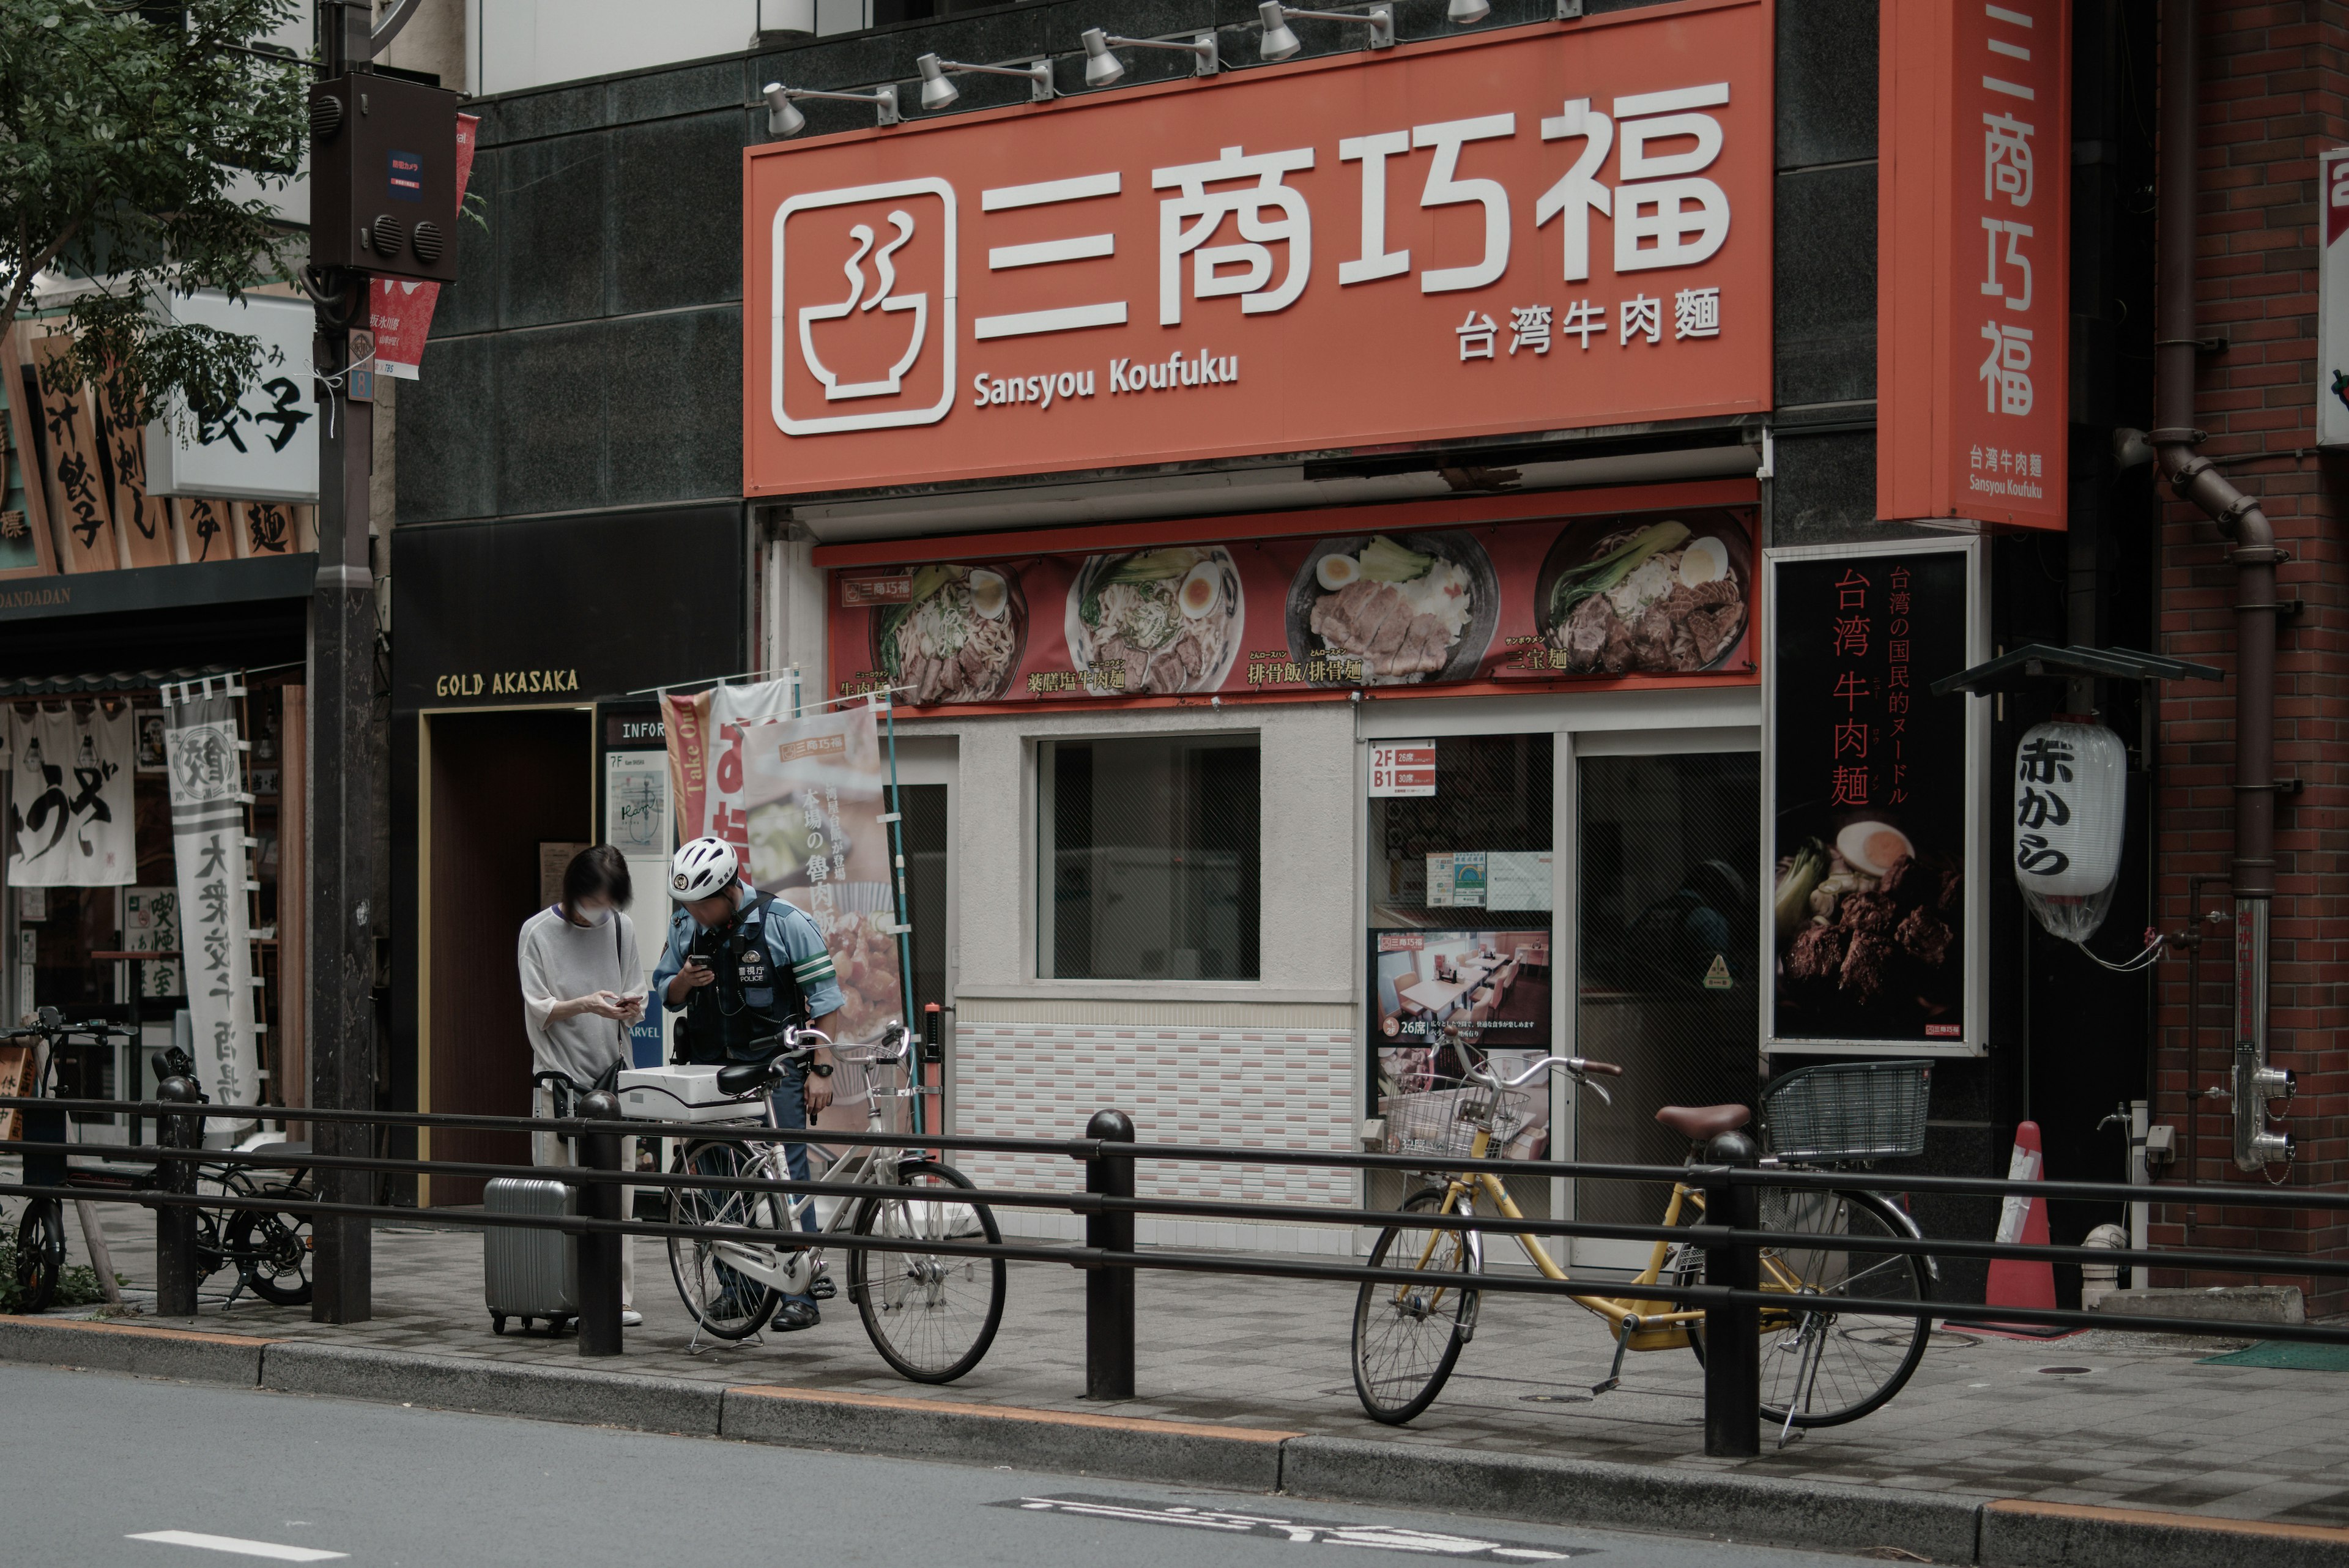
<point x="1441" y="1116"/>
<point x="1849" y="1110"/>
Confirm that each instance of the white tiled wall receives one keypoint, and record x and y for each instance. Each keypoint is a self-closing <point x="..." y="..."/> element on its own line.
<point x="1230" y="1088"/>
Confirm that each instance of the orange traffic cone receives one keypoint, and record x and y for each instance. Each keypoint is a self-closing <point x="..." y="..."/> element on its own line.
<point x="2013" y="1283"/>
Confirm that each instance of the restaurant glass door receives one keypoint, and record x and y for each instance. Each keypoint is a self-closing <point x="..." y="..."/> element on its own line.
<point x="1667" y="850"/>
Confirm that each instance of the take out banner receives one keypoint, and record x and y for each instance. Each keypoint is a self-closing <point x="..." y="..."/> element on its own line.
<point x="1535" y="228"/>
<point x="1657" y="595"/>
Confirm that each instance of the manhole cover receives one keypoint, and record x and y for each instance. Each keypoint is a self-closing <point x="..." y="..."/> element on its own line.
<point x="2066" y="1371"/>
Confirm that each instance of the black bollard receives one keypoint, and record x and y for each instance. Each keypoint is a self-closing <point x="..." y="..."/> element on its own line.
<point x="175" y="1223"/>
<point x="599" y="1250"/>
<point x="1732" y="1334"/>
<point x="1109" y="1291"/>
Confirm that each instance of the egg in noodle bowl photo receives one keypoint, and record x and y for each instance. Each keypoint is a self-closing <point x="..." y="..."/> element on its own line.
<point x="1158" y="621"/>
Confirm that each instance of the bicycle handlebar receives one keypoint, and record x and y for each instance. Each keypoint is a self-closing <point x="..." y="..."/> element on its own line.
<point x="1579" y="1067"/>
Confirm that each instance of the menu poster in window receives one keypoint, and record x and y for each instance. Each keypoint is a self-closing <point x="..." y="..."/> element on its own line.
<point x="1495" y="983"/>
<point x="1871" y="808"/>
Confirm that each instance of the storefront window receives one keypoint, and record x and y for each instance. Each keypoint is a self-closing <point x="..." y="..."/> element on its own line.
<point x="1148" y="858"/>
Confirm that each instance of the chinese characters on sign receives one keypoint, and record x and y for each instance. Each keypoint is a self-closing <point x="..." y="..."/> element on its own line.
<point x="1285" y="249"/>
<point x="208" y="802"/>
<point x="1974" y="172"/>
<point x="264" y="445"/>
<point x="70" y="823"/>
<point x="1869" y="809"/>
<point x="1402" y="768"/>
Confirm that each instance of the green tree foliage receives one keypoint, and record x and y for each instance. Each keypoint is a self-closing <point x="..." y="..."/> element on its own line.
<point x="122" y="129"/>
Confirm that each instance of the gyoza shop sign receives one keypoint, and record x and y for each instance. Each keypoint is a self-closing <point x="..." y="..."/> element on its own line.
<point x="1536" y="228"/>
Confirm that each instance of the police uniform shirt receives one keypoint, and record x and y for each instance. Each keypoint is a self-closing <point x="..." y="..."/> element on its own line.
<point x="793" y="945"/>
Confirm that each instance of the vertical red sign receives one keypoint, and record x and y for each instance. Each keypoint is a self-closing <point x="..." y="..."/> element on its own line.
<point x="1973" y="261"/>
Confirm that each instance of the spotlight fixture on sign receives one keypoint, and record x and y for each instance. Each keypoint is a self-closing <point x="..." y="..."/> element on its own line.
<point x="1280" y="43"/>
<point x="2070" y="803"/>
<point x="1463" y="13"/>
<point x="939" y="93"/>
<point x="1104" y="69"/>
<point x="784" y="118"/>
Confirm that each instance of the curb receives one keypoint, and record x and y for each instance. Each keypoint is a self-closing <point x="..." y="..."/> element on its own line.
<point x="141" y="1352"/>
<point x="1242" y="1458"/>
<point x="2016" y="1533"/>
<point x="495" y="1387"/>
<point x="1698" y="1503"/>
<point x="1687" y="1502"/>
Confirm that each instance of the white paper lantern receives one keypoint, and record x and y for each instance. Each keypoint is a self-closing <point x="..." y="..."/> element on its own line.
<point x="2071" y="801"/>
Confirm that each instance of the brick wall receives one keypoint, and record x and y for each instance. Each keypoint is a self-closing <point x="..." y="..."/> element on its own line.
<point x="2275" y="90"/>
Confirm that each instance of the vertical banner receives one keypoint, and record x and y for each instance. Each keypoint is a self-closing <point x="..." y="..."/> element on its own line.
<point x="1876" y="922"/>
<point x="208" y="844"/>
<point x="401" y="313"/>
<point x="69" y="816"/>
<point x="813" y="795"/>
<point x="1974" y="158"/>
<point x="72" y="474"/>
<point x="705" y="756"/>
<point x="2333" y="298"/>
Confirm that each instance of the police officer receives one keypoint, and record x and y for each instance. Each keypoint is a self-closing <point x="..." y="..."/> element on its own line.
<point x="743" y="965"/>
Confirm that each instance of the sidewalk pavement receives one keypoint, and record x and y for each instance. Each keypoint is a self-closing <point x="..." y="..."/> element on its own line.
<point x="2101" y="1427"/>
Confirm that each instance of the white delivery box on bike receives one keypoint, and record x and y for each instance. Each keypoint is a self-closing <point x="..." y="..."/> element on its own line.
<point x="682" y="1094"/>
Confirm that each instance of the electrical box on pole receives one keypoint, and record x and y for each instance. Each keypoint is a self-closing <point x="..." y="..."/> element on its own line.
<point x="383" y="178"/>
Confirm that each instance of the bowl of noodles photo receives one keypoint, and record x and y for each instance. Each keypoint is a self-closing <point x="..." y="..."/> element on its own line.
<point x="1625" y="597"/>
<point x="1410" y="608"/>
<point x="958" y="637"/>
<point x="1156" y="622"/>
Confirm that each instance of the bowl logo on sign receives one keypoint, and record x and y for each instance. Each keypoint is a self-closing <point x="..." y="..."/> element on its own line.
<point x="881" y="352"/>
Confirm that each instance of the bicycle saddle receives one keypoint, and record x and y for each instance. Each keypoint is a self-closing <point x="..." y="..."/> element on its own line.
<point x="739" y="1078"/>
<point x="1699" y="1123"/>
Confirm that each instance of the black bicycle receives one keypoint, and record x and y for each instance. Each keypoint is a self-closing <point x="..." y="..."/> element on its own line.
<point x="269" y="1248"/>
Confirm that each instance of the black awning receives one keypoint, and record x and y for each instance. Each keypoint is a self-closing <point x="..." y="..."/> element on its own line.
<point x="114" y="681"/>
<point x="2020" y="669"/>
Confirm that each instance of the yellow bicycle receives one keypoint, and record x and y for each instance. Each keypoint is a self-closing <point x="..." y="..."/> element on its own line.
<point x="1819" y="1368"/>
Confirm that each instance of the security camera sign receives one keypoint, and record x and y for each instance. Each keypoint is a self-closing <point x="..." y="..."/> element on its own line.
<point x="1531" y="228"/>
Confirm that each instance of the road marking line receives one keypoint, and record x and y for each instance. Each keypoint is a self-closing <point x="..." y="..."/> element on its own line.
<point x="231" y="1543"/>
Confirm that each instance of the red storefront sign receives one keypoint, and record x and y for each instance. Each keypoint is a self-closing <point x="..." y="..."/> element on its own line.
<point x="1973" y="261"/>
<point x="1533" y="228"/>
<point x="1648" y="586"/>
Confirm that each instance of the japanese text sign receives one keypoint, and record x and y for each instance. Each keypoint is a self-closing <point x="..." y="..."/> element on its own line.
<point x="1532" y="229"/>
<point x="1973" y="310"/>
<point x="1402" y="768"/>
<point x="1873" y="799"/>
<point x="264" y="445"/>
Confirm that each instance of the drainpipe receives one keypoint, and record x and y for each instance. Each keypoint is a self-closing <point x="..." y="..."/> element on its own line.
<point x="2193" y="478"/>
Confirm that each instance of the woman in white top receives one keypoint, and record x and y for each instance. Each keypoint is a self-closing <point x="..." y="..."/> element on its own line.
<point x="582" y="986"/>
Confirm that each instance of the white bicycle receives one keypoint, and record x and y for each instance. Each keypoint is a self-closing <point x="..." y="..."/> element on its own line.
<point x="931" y="1316"/>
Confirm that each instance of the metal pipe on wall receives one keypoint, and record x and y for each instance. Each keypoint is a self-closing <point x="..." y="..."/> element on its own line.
<point x="2193" y="478"/>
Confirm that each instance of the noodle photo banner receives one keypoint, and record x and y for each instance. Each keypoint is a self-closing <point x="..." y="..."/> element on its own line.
<point x="1646" y="596"/>
<point x="813" y="796"/>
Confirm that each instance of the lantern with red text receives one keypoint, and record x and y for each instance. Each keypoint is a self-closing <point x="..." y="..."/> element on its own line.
<point x="2070" y="803"/>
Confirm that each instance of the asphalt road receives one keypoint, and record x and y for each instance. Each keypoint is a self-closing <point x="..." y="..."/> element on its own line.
<point x="98" y="1469"/>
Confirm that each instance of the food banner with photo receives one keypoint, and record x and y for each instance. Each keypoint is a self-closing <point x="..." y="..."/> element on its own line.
<point x="1488" y="986"/>
<point x="814" y="795"/>
<point x="1873" y="799"/>
<point x="801" y="799"/>
<point x="1654" y="595"/>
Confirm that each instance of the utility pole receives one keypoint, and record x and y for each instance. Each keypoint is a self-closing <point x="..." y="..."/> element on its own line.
<point x="339" y="937"/>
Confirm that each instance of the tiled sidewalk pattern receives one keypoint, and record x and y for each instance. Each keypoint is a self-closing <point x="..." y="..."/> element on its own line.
<point x="2144" y="1427"/>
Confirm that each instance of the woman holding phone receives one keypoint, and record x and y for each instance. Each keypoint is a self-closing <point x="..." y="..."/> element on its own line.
<point x="581" y="987"/>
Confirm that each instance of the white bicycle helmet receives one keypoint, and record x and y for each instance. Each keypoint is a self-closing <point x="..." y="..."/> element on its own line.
<point x="702" y="869"/>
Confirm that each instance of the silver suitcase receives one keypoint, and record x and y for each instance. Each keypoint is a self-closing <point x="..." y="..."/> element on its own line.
<point x="530" y="1272"/>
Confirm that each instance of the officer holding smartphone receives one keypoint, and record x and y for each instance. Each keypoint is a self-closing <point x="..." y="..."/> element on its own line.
<point x="743" y="966"/>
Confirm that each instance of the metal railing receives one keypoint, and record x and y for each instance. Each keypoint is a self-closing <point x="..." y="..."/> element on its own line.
<point x="1731" y="1238"/>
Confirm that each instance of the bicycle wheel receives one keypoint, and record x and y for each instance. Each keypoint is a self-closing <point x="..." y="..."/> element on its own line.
<point x="1407" y="1337"/>
<point x="931" y="1316"/>
<point x="1830" y="1367"/>
<point x="726" y="1302"/>
<point x="275" y="1249"/>
<point x="40" y="1255"/>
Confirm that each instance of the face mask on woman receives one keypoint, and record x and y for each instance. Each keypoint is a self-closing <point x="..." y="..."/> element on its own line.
<point x="591" y="915"/>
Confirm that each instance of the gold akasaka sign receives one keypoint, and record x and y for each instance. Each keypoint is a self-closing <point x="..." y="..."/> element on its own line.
<point x="506" y="683"/>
